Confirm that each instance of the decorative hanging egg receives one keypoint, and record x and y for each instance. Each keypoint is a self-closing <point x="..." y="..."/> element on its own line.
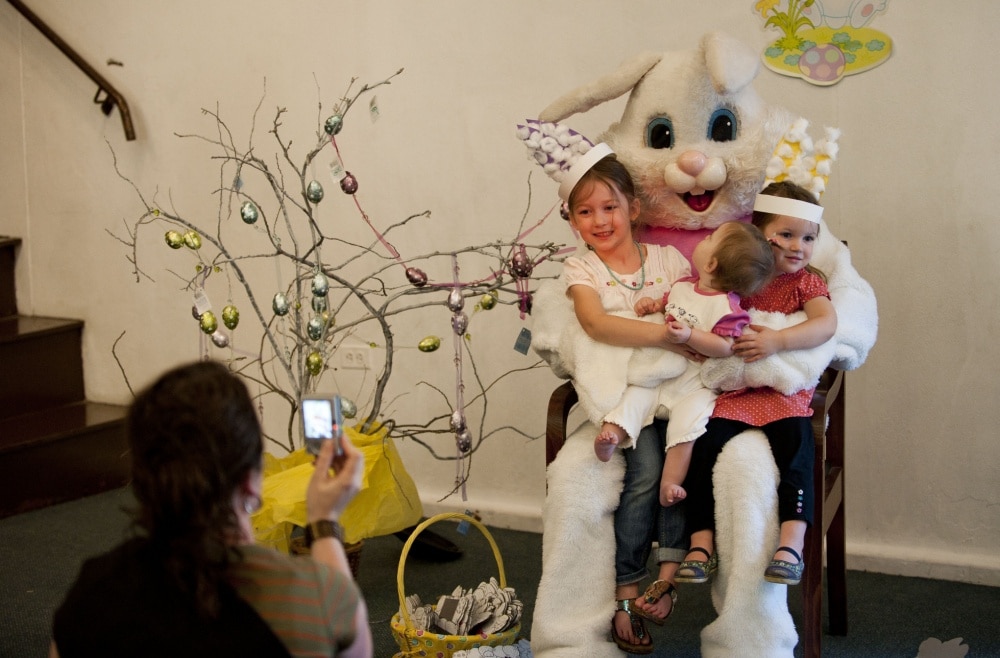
<point x="195" y="313"/>
<point x="315" y="328"/>
<point x="488" y="301"/>
<point x="248" y="211"/>
<point x="457" y="421"/>
<point x="349" y="184"/>
<point x="429" y="344"/>
<point x="230" y="316"/>
<point x="348" y="408"/>
<point x="279" y="304"/>
<point x="192" y="240"/>
<point x="416" y="276"/>
<point x="319" y="304"/>
<point x="520" y="264"/>
<point x="459" y="323"/>
<point x="456" y="301"/>
<point x="208" y="322"/>
<point x="314" y="362"/>
<point x="333" y="124"/>
<point x="464" y="441"/>
<point x="320" y="285"/>
<point x="220" y="339"/>
<point x="314" y="191"/>
<point x="174" y="239"/>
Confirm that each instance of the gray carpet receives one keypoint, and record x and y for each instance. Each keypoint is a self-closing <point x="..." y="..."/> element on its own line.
<point x="888" y="616"/>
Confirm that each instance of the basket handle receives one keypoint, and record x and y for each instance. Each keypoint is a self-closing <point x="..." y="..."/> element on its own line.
<point x="413" y="536"/>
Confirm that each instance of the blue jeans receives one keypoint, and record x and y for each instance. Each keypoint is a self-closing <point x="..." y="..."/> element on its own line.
<point x="639" y="518"/>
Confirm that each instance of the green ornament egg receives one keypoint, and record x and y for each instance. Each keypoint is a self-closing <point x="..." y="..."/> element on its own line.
<point x="488" y="301"/>
<point x="319" y="304"/>
<point x="349" y="409"/>
<point x="429" y="344"/>
<point x="174" y="239"/>
<point x="333" y="124"/>
<point x="279" y="304"/>
<point x="314" y="362"/>
<point x="192" y="240"/>
<point x="208" y="322"/>
<point x="230" y="316"/>
<point x="314" y="191"/>
<point x="249" y="213"/>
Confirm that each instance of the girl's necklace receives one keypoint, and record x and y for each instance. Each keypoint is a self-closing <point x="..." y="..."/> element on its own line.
<point x="642" y="271"/>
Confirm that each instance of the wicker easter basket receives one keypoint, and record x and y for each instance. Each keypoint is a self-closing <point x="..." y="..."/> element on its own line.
<point x="413" y="642"/>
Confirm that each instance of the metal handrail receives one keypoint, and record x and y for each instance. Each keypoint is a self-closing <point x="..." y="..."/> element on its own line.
<point x="112" y="96"/>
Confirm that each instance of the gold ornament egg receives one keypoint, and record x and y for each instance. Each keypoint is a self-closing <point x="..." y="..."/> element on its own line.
<point x="192" y="240"/>
<point x="230" y="316"/>
<point x="174" y="239"/>
<point x="429" y="344"/>
<point x="488" y="301"/>
<point x="208" y="322"/>
<point x="314" y="362"/>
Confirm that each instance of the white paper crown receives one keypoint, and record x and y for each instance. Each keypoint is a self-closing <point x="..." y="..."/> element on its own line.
<point x="804" y="162"/>
<point x="563" y="153"/>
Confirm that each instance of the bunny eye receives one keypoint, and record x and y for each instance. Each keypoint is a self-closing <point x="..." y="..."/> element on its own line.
<point x="660" y="133"/>
<point x="722" y="126"/>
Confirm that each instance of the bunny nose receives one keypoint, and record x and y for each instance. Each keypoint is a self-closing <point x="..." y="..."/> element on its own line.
<point x="692" y="162"/>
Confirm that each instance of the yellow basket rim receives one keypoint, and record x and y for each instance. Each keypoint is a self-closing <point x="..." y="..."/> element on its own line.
<point x="401" y="590"/>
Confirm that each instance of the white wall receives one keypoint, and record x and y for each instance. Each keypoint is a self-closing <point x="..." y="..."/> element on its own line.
<point x="911" y="193"/>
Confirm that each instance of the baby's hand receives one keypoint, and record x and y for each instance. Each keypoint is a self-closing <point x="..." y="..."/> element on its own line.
<point x="678" y="332"/>
<point x="647" y="306"/>
<point x="756" y="345"/>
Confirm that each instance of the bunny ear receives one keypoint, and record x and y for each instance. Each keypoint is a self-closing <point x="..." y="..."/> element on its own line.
<point x="798" y="159"/>
<point x="563" y="153"/>
<point x="603" y="89"/>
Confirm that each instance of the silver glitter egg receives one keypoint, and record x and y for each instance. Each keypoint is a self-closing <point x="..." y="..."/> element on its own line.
<point x="333" y="124"/>
<point x="279" y="304"/>
<point x="320" y="285"/>
<point x="220" y="339"/>
<point x="319" y="304"/>
<point x="314" y="191"/>
<point x="315" y="328"/>
<point x="248" y="211"/>
<point x="349" y="409"/>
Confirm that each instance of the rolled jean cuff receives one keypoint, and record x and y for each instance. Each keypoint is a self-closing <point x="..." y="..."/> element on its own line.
<point x="670" y="554"/>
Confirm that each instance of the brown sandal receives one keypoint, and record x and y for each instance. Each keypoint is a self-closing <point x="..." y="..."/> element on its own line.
<point x="656" y="590"/>
<point x="638" y="629"/>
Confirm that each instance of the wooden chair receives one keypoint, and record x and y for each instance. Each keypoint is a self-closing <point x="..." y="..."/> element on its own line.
<point x="827" y="405"/>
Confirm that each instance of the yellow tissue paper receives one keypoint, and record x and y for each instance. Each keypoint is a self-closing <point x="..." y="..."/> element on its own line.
<point x="387" y="502"/>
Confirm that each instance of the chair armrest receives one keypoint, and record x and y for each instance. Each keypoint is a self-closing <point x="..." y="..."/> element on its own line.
<point x="560" y="403"/>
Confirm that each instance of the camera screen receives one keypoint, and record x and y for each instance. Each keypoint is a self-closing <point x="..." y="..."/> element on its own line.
<point x="317" y="418"/>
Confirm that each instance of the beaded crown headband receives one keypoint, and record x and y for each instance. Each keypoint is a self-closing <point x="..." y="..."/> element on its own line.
<point x="564" y="154"/>
<point x="804" y="162"/>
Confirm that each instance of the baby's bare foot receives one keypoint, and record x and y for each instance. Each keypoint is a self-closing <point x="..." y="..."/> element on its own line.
<point x="605" y="443"/>
<point x="671" y="494"/>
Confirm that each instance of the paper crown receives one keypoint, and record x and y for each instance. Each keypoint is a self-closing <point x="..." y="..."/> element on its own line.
<point x="804" y="162"/>
<point x="563" y="153"/>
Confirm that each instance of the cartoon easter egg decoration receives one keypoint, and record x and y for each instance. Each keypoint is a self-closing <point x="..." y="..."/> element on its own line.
<point x="823" y="64"/>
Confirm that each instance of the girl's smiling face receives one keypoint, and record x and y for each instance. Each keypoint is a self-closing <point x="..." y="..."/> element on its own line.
<point x="792" y="240"/>
<point x="603" y="217"/>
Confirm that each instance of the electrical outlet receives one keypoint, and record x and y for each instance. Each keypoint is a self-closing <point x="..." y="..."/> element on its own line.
<point x="353" y="357"/>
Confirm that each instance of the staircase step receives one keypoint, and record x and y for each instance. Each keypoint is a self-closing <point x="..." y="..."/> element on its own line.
<point x="40" y="362"/>
<point x="8" y="296"/>
<point x="61" y="454"/>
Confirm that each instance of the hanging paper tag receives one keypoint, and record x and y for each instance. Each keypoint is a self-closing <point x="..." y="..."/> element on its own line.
<point x="201" y="303"/>
<point x="336" y="170"/>
<point x="523" y="341"/>
<point x="373" y="109"/>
